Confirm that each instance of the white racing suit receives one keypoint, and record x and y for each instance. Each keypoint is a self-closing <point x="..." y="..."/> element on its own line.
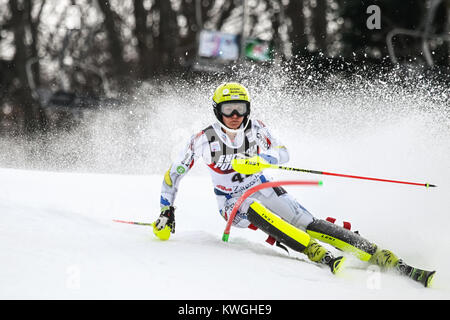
<point x="217" y="151"/>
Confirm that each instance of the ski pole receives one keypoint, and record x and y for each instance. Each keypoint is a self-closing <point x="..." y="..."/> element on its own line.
<point x="256" y="164"/>
<point x="134" y="222"/>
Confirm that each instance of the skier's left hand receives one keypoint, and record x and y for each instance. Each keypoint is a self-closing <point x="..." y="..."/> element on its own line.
<point x="166" y="218"/>
<point x="165" y="224"/>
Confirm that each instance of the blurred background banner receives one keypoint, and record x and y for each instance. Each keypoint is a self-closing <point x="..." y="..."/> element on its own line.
<point x="218" y="45"/>
<point x="62" y="60"/>
<point x="258" y="50"/>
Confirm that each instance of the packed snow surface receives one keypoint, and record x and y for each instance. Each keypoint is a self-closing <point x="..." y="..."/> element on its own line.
<point x="58" y="241"/>
<point x="58" y="199"/>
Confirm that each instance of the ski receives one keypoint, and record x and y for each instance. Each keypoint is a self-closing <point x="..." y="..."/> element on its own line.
<point x="422" y="276"/>
<point x="335" y="264"/>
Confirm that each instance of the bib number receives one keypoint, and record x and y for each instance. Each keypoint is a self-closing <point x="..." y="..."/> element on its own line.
<point x="239" y="178"/>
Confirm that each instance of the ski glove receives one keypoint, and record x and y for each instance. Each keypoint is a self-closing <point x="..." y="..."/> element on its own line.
<point x="269" y="159"/>
<point x="166" y="218"/>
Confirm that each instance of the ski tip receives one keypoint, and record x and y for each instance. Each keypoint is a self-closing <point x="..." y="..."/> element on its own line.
<point x="429" y="281"/>
<point x="336" y="264"/>
<point x="429" y="185"/>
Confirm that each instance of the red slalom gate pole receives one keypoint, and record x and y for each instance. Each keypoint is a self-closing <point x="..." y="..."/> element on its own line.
<point x="251" y="191"/>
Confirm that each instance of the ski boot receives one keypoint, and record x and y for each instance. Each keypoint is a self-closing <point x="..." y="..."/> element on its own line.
<point x="319" y="254"/>
<point x="285" y="234"/>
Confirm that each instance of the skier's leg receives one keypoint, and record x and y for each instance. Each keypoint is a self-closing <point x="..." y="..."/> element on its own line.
<point x="342" y="239"/>
<point x="278" y="201"/>
<point x="285" y="206"/>
<point x="288" y="208"/>
<point x="349" y="241"/>
<point x="253" y="212"/>
<point x="289" y="235"/>
<point x="274" y="199"/>
<point x="226" y="205"/>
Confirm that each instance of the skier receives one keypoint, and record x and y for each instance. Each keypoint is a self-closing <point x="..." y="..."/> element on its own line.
<point x="272" y="210"/>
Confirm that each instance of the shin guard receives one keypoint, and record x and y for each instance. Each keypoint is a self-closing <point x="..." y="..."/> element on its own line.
<point x="292" y="237"/>
<point x="341" y="239"/>
<point x="276" y="227"/>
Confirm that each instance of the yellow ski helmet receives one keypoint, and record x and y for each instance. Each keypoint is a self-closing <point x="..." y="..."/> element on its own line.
<point x="230" y="92"/>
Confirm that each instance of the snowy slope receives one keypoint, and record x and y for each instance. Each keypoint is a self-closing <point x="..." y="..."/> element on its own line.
<point x="58" y="240"/>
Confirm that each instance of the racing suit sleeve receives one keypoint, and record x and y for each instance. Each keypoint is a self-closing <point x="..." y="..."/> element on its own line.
<point x="269" y="144"/>
<point x="180" y="167"/>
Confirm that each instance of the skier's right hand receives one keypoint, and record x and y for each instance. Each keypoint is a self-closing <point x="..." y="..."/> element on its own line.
<point x="165" y="224"/>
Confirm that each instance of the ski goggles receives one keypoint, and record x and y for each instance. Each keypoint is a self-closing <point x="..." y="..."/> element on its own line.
<point x="239" y="108"/>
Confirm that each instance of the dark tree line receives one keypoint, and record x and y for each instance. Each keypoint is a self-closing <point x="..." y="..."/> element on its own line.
<point x="111" y="44"/>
